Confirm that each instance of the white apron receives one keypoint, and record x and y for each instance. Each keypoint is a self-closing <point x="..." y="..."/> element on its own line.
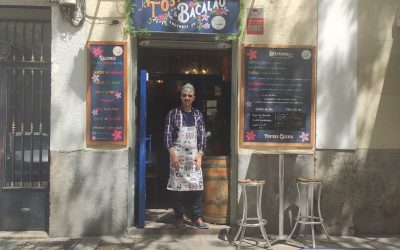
<point x="187" y="178"/>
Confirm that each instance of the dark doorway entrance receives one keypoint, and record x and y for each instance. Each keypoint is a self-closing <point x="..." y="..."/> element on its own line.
<point x="24" y="118"/>
<point x="169" y="69"/>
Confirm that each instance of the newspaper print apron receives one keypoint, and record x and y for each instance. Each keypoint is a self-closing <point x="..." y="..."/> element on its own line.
<point x="187" y="178"/>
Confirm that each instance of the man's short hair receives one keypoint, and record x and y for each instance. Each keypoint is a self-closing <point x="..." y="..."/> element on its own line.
<point x="188" y="87"/>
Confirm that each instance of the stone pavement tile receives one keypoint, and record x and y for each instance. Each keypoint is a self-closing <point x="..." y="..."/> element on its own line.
<point x="8" y="244"/>
<point x="87" y="243"/>
<point x="345" y="242"/>
<point x="353" y="242"/>
<point x="183" y="242"/>
<point x="23" y="235"/>
<point x="37" y="244"/>
<point x="201" y="242"/>
<point x="115" y="246"/>
<point x="385" y="243"/>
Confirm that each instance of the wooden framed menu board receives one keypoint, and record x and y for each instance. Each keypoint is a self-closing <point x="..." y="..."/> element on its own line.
<point x="277" y="96"/>
<point x="106" y="93"/>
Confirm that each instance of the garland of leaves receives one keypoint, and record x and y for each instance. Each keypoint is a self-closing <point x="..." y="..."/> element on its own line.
<point x="129" y="29"/>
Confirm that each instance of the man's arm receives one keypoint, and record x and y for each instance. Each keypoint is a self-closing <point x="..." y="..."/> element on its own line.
<point x="168" y="140"/>
<point x="201" y="140"/>
<point x="168" y="130"/>
<point x="175" y="161"/>
<point x="201" y="133"/>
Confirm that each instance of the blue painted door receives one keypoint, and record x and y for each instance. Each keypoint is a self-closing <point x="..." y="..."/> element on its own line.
<point x="143" y="147"/>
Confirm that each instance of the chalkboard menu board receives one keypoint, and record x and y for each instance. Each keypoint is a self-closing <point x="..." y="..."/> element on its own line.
<point x="106" y="93"/>
<point x="277" y="96"/>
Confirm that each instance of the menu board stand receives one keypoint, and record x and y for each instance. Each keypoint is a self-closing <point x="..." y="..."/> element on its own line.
<point x="106" y="93"/>
<point x="277" y="96"/>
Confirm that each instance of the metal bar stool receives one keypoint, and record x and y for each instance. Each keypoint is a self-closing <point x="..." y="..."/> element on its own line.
<point x="252" y="221"/>
<point x="306" y="189"/>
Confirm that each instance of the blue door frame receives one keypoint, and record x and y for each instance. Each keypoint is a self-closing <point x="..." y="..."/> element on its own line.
<point x="141" y="173"/>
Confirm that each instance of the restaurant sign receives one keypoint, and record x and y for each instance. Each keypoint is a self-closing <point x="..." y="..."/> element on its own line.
<point x="186" y="16"/>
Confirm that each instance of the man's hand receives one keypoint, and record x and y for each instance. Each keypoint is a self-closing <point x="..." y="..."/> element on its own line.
<point x="175" y="161"/>
<point x="199" y="159"/>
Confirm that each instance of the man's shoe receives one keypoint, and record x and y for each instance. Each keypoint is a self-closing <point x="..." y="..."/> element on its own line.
<point x="180" y="223"/>
<point x="200" y="224"/>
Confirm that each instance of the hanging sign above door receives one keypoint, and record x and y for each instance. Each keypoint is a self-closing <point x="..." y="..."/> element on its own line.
<point x="186" y="16"/>
<point x="106" y="93"/>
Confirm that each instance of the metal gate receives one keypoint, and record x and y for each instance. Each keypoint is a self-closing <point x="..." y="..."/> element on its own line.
<point x="24" y="123"/>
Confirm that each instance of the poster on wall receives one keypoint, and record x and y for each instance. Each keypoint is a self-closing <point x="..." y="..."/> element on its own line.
<point x="186" y="16"/>
<point x="255" y="22"/>
<point x="106" y="93"/>
<point x="277" y="96"/>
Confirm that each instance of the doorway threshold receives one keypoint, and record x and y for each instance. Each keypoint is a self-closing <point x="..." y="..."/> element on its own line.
<point x="162" y="222"/>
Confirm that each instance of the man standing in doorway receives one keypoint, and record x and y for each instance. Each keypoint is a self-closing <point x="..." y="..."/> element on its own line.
<point x="185" y="139"/>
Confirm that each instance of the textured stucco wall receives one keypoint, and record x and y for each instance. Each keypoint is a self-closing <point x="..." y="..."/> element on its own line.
<point x="378" y="73"/>
<point x="88" y="193"/>
<point x="336" y="75"/>
<point x="361" y="194"/>
<point x="89" y="186"/>
<point x="285" y="22"/>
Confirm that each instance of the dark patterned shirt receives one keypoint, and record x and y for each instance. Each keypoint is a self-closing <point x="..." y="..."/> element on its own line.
<point x="173" y="122"/>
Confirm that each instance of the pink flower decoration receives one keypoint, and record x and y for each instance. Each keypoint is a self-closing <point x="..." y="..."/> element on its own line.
<point x="304" y="136"/>
<point x="95" y="78"/>
<point x="206" y="26"/>
<point x="222" y="11"/>
<point x="97" y="51"/>
<point x="204" y="17"/>
<point x="250" y="136"/>
<point x="117" y="135"/>
<point x="252" y="54"/>
<point x="192" y="3"/>
<point x="160" y="18"/>
<point x="95" y="112"/>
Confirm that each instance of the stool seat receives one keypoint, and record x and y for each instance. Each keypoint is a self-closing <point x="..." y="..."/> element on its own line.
<point x="252" y="221"/>
<point x="300" y="179"/>
<point x="249" y="182"/>
<point x="306" y="188"/>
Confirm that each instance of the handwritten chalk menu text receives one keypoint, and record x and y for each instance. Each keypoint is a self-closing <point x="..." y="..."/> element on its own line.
<point x="277" y="96"/>
<point x="106" y="95"/>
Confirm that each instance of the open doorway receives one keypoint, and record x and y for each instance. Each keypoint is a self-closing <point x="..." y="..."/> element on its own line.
<point x="209" y="70"/>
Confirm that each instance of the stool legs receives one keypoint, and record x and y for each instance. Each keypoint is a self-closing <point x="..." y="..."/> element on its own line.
<point x="260" y="219"/>
<point x="319" y="214"/>
<point x="298" y="215"/>
<point x="244" y="218"/>
<point x="312" y="214"/>
<point x="308" y="218"/>
<point x="244" y="221"/>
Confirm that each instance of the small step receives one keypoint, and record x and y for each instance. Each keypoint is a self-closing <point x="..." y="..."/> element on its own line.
<point x="169" y="229"/>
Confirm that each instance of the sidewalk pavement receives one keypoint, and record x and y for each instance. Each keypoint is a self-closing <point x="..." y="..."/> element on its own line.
<point x="217" y="237"/>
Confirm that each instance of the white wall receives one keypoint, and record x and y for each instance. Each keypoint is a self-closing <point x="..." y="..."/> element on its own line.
<point x="89" y="186"/>
<point x="68" y="85"/>
<point x="337" y="74"/>
<point x="378" y="97"/>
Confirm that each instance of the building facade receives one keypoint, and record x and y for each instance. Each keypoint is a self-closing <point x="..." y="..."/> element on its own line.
<point x="54" y="180"/>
